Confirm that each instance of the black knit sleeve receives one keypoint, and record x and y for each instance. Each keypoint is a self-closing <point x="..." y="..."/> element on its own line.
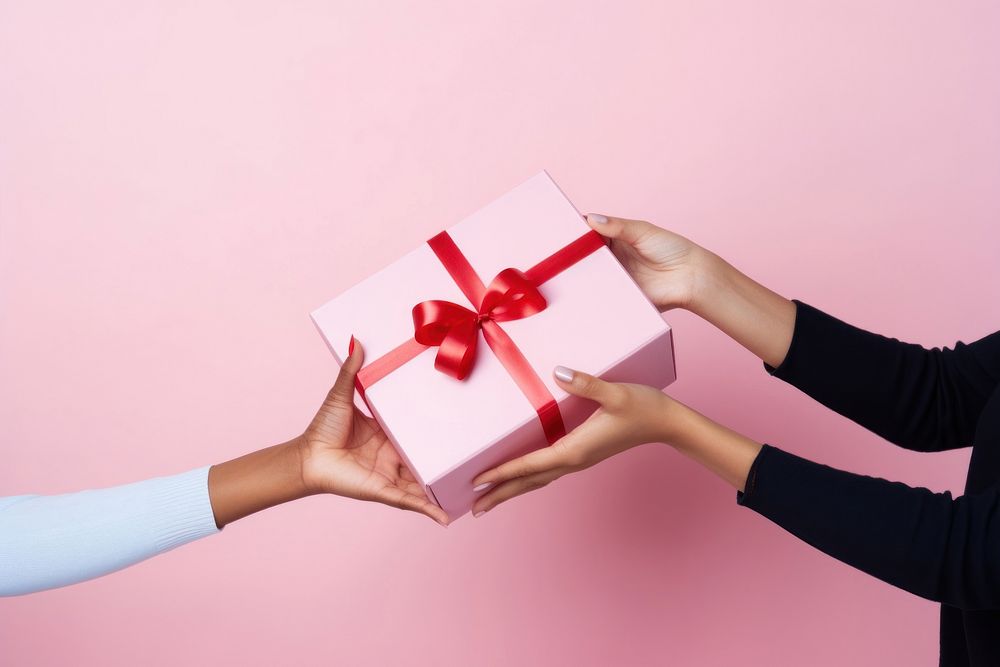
<point x="930" y="544"/>
<point x="922" y="399"/>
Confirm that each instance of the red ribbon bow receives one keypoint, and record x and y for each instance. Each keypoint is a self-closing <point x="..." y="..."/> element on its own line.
<point x="455" y="329"/>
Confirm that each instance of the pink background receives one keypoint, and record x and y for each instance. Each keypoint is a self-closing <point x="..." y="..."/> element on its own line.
<point x="181" y="183"/>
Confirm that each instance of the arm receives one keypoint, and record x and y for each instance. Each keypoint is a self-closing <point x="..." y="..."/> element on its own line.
<point x="920" y="399"/>
<point x="934" y="546"/>
<point x="50" y="541"/>
<point x="926" y="543"/>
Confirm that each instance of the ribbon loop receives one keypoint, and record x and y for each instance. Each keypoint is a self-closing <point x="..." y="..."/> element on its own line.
<point x="432" y="320"/>
<point x="454" y="329"/>
<point x="511" y="295"/>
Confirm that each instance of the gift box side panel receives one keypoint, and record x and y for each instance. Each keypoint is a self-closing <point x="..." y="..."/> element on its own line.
<point x="453" y="491"/>
<point x="654" y="364"/>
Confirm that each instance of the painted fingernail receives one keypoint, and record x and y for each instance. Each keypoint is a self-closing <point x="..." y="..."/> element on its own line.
<point x="476" y="515"/>
<point x="350" y="348"/>
<point x="563" y="373"/>
<point x="482" y="487"/>
<point x="597" y="218"/>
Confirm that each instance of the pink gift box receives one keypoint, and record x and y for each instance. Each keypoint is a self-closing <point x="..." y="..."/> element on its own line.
<point x="596" y="319"/>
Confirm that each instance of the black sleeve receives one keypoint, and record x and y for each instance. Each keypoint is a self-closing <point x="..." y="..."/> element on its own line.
<point x="927" y="400"/>
<point x="939" y="548"/>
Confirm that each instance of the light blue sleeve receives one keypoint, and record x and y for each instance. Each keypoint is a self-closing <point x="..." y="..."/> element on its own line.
<point x="50" y="541"/>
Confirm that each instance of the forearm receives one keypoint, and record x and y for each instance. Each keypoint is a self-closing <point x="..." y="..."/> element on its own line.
<point x="757" y="318"/>
<point x="723" y="451"/>
<point x="921" y="399"/>
<point x="254" y="482"/>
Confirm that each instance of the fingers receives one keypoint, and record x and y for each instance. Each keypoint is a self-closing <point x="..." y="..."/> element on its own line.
<point x="585" y="385"/>
<point x="541" y="466"/>
<point x="629" y="231"/>
<point x="512" y="489"/>
<point x="400" y="499"/>
<point x="539" y="461"/>
<point x="343" y="388"/>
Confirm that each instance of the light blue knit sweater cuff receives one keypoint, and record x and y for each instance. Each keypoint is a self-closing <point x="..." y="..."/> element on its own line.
<point x="181" y="510"/>
<point x="50" y="541"/>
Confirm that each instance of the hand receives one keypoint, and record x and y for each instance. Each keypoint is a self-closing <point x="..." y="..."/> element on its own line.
<point x="676" y="273"/>
<point x="666" y="266"/>
<point x="342" y="452"/>
<point x="346" y="453"/>
<point x="629" y="415"/>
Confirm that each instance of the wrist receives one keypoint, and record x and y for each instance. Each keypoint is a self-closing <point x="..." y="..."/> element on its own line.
<point x="297" y="449"/>
<point x="723" y="451"/>
<point x="709" y="281"/>
<point x="256" y="481"/>
<point x="675" y="422"/>
<point x="310" y="482"/>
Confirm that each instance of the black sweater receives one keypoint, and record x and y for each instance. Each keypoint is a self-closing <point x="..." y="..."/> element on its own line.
<point x="935" y="546"/>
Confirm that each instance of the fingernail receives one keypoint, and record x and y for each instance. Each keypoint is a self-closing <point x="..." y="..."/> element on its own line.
<point x="597" y="218"/>
<point x="350" y="348"/>
<point x="481" y="487"/>
<point x="563" y="373"/>
<point x="476" y="515"/>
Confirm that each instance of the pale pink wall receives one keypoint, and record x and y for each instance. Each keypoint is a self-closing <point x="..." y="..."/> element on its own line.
<point x="181" y="183"/>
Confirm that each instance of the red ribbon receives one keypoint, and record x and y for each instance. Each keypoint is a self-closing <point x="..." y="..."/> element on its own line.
<point x="454" y="329"/>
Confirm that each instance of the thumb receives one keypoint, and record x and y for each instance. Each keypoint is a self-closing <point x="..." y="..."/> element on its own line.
<point x="585" y="385"/>
<point x="343" y="388"/>
<point x="629" y="231"/>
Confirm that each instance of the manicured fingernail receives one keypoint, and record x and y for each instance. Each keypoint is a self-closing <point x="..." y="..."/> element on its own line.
<point x="350" y="348"/>
<point x="476" y="515"/>
<point x="482" y="487"/>
<point x="563" y="373"/>
<point x="597" y="218"/>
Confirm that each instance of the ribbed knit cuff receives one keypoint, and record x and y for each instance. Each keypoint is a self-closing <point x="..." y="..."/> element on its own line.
<point x="181" y="510"/>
